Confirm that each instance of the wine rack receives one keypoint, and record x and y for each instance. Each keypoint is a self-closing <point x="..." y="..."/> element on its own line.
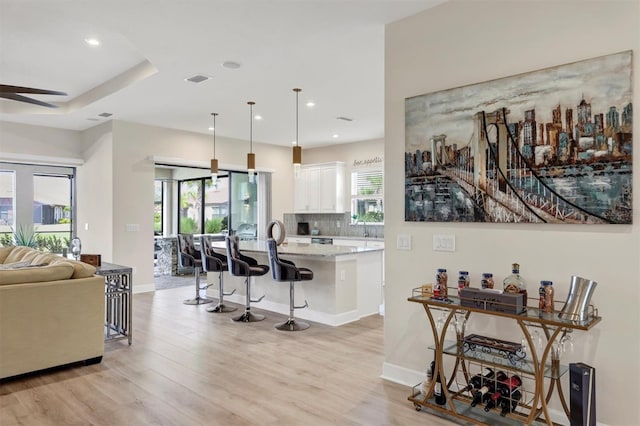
<point x="536" y="368"/>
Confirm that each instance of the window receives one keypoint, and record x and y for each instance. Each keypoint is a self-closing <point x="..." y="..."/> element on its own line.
<point x="367" y="196"/>
<point x="37" y="205"/>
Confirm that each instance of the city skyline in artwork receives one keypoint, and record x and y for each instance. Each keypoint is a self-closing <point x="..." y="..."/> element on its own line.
<point x="550" y="146"/>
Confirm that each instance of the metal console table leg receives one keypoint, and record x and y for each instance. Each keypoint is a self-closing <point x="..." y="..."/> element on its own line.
<point x="118" y="301"/>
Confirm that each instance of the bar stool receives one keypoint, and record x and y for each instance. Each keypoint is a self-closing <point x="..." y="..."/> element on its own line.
<point x="215" y="262"/>
<point x="244" y="266"/>
<point x="188" y="257"/>
<point x="284" y="270"/>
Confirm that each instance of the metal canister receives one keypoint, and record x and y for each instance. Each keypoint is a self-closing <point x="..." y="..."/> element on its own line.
<point x="441" y="282"/>
<point x="487" y="280"/>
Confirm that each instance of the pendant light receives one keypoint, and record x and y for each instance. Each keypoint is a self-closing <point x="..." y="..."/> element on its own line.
<point x="214" y="160"/>
<point x="297" y="149"/>
<point x="251" y="157"/>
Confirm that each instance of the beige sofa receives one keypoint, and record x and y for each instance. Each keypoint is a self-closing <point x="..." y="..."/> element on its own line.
<point x="51" y="311"/>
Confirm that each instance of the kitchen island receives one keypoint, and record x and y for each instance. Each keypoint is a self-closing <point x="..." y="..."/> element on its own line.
<point x="346" y="285"/>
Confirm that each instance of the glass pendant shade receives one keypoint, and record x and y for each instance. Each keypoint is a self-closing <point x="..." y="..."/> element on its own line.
<point x="251" y="157"/>
<point x="214" y="160"/>
<point x="251" y="165"/>
<point x="214" y="170"/>
<point x="297" y="159"/>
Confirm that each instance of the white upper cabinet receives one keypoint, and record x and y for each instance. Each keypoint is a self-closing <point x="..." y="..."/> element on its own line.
<point x="319" y="188"/>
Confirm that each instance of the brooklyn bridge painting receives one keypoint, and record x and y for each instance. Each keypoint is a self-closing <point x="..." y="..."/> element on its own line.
<point x="550" y="146"/>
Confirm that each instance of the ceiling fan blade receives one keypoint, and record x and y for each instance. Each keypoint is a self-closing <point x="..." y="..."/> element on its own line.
<point x="16" y="97"/>
<point x="4" y="88"/>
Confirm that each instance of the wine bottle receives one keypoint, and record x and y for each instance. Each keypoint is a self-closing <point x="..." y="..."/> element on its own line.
<point x="427" y="381"/>
<point x="509" y="405"/>
<point x="503" y="391"/>
<point x="438" y="392"/>
<point x="478" y="380"/>
<point x="487" y="389"/>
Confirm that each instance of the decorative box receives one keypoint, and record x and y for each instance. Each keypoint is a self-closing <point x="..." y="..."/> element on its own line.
<point x="492" y="301"/>
<point x="91" y="259"/>
<point x="483" y="346"/>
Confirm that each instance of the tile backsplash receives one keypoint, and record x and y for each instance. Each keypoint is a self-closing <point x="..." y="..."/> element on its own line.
<point x="331" y="224"/>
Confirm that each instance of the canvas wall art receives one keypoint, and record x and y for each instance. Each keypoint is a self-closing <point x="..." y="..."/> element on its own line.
<point x="549" y="146"/>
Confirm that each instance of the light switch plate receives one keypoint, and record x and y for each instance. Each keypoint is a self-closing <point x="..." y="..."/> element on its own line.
<point x="404" y="242"/>
<point x="444" y="242"/>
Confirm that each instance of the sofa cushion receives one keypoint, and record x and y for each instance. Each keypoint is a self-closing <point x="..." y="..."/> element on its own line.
<point x="82" y="270"/>
<point x="60" y="270"/>
<point x="21" y="253"/>
<point x="4" y="252"/>
<point x="35" y="257"/>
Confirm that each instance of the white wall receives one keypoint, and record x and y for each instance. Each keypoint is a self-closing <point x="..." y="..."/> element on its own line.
<point x="26" y="142"/>
<point x="463" y="42"/>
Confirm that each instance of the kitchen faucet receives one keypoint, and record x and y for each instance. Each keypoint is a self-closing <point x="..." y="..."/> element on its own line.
<point x="363" y="222"/>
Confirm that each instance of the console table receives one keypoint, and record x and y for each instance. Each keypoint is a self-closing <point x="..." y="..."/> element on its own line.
<point x="118" y="301"/>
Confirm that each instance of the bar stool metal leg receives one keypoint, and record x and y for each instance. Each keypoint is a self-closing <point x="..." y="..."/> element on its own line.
<point x="198" y="300"/>
<point x="221" y="307"/>
<point x="249" y="316"/>
<point x="291" y="324"/>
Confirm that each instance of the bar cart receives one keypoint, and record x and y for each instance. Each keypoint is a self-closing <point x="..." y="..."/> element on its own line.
<point x="118" y="301"/>
<point x="473" y="354"/>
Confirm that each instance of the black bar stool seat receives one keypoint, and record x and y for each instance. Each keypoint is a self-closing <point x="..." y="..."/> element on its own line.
<point x="213" y="261"/>
<point x="244" y="266"/>
<point x="189" y="257"/>
<point x="284" y="270"/>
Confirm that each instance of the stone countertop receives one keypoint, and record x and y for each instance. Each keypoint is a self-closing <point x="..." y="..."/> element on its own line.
<point x="338" y="237"/>
<point x="301" y="249"/>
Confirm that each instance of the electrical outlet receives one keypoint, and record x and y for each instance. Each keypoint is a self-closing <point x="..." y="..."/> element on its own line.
<point x="343" y="275"/>
<point x="338" y="224"/>
<point x="444" y="243"/>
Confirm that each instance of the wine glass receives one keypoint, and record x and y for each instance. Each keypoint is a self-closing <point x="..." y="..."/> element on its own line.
<point x="440" y="321"/>
<point x="567" y="343"/>
<point x="76" y="247"/>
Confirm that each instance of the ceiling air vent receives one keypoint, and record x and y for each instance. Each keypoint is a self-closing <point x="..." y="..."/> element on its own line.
<point x="105" y="115"/>
<point x="344" y="118"/>
<point x="198" y="78"/>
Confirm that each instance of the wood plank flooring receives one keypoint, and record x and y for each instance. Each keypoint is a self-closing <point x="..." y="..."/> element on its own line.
<point x="191" y="367"/>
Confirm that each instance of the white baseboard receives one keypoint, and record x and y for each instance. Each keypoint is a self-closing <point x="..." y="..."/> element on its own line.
<point x="306" y="314"/>
<point x="408" y="377"/>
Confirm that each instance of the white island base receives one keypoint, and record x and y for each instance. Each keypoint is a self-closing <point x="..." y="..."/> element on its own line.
<point x="346" y="285"/>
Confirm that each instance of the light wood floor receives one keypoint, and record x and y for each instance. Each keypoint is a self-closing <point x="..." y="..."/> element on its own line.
<point x="191" y="367"/>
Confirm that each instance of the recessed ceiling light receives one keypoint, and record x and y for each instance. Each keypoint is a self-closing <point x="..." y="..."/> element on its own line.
<point x="231" y="65"/>
<point x="311" y="104"/>
<point x="257" y="117"/>
<point x="336" y="136"/>
<point x="293" y="142"/>
<point x="91" y="41"/>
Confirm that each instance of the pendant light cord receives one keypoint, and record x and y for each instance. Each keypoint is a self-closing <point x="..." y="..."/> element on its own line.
<point x="214" y="133"/>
